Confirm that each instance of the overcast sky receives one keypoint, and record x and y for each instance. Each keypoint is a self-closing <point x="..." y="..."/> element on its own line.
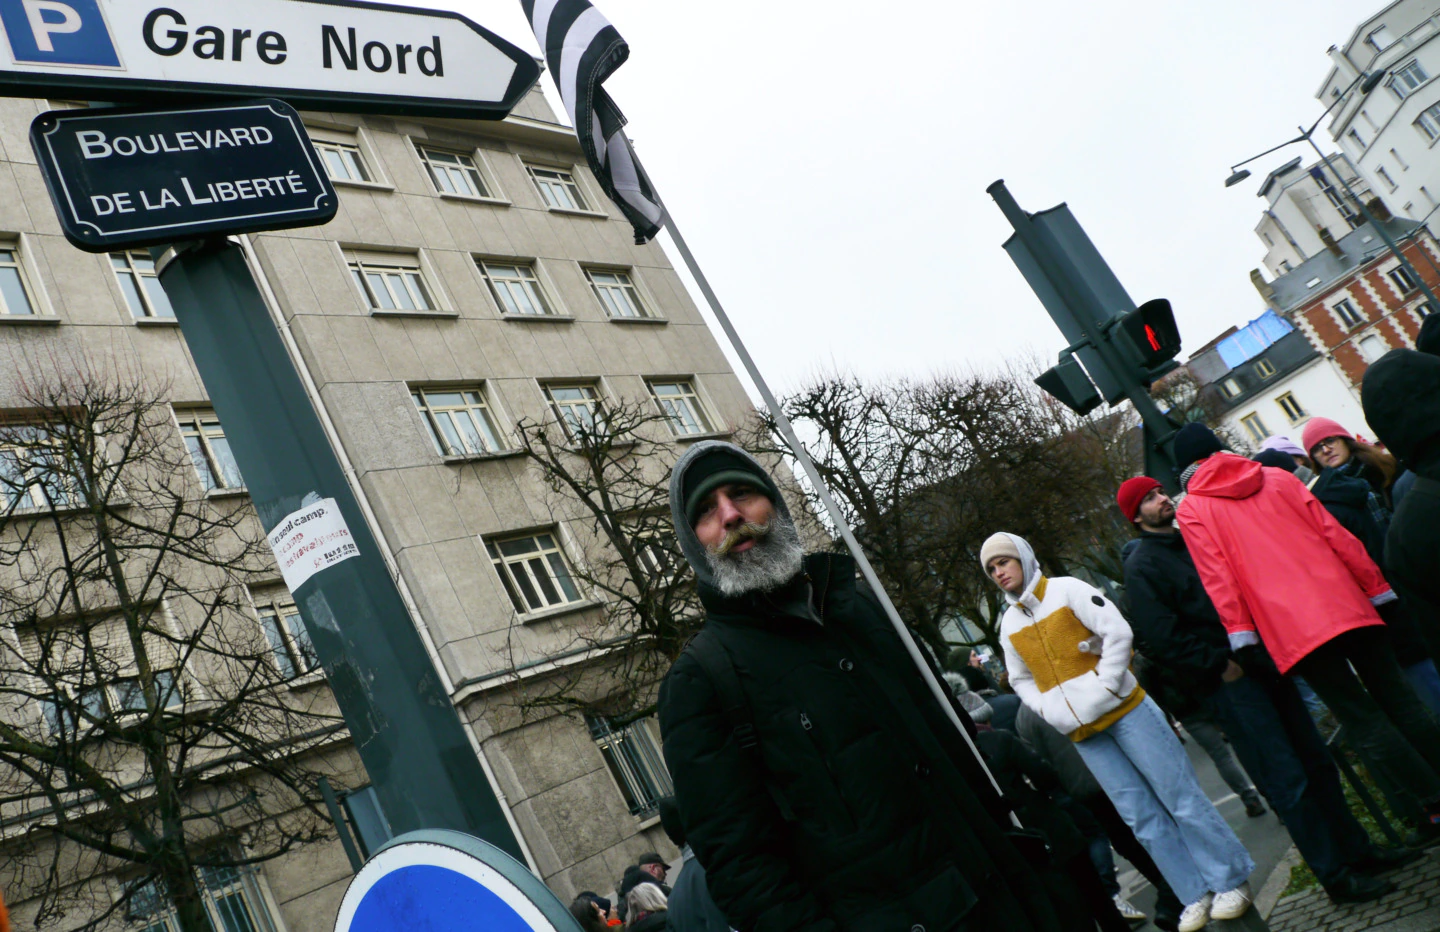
<point x="828" y="161"/>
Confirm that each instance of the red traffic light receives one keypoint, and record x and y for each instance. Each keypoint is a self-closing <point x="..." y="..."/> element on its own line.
<point x="1153" y="340"/>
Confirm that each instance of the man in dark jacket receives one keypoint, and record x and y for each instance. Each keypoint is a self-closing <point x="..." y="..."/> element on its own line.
<point x="1269" y="727"/>
<point x="821" y="783"/>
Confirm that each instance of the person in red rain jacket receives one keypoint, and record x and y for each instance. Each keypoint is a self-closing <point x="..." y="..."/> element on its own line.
<point x="1297" y="592"/>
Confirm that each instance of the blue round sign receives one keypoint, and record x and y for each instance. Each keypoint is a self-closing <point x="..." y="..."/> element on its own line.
<point x="441" y="881"/>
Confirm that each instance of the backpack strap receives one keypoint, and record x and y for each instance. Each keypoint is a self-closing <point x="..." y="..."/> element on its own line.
<point x="719" y="667"/>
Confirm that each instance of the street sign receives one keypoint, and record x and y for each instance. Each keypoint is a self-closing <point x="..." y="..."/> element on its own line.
<point x="315" y="54"/>
<point x="124" y="178"/>
<point x="443" y="881"/>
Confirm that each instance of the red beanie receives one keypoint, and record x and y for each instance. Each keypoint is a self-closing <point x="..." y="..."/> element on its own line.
<point x="1132" y="493"/>
<point x="1318" y="429"/>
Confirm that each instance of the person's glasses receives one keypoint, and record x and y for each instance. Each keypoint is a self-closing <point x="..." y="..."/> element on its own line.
<point x="1329" y="443"/>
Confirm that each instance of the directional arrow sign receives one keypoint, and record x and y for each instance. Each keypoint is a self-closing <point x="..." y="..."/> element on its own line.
<point x="314" y="54"/>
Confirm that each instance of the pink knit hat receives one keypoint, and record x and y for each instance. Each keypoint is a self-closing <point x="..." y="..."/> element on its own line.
<point x="1320" y="428"/>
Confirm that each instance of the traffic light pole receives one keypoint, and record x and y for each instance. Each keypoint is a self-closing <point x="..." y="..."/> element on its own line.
<point x="1159" y="430"/>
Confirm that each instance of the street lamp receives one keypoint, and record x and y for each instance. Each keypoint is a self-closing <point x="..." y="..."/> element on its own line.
<point x="1367" y="83"/>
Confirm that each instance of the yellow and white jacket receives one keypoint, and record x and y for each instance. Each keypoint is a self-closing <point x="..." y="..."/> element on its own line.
<point x="1067" y="650"/>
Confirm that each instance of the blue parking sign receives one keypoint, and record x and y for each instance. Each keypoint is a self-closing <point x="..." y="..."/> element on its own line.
<point x="58" y="32"/>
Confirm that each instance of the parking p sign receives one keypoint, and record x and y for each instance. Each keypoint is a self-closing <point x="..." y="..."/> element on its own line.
<point x="59" y="32"/>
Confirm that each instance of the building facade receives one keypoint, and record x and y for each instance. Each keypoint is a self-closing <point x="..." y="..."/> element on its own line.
<point x="475" y="276"/>
<point x="1391" y="132"/>
<point x="1306" y="205"/>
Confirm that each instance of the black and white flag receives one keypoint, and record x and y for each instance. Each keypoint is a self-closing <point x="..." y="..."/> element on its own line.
<point x="582" y="50"/>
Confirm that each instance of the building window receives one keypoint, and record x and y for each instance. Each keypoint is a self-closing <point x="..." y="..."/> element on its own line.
<point x="534" y="572"/>
<point x="576" y="407"/>
<point x="678" y="400"/>
<point x="459" y="420"/>
<point x="617" y="292"/>
<point x="136" y="274"/>
<point x="231" y="895"/>
<point x="392" y="283"/>
<point x="1372" y="348"/>
<point x="516" y="289"/>
<point x="343" y="161"/>
<point x="1385" y="177"/>
<point x="453" y="173"/>
<point x="14" y="295"/>
<point x="1264" y="368"/>
<point x="118" y="696"/>
<point x="1426" y="191"/>
<point x="1404" y="167"/>
<point x="1255" y="427"/>
<point x="290" y="643"/>
<point x="1284" y="267"/>
<point x="1405" y="79"/>
<point x="1428" y="122"/>
<point x="633" y="755"/>
<point x="1354" y="136"/>
<point x="557" y="188"/>
<point x="1290" y="406"/>
<point x="209" y="450"/>
<point x="1380" y="38"/>
<point x="1230" y="388"/>
<point x="1348" y="315"/>
<point x="1403" y="280"/>
<point x="1423" y="309"/>
<point x="33" y="473"/>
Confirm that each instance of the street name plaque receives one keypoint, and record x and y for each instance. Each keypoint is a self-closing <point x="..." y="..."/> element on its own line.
<point x="123" y="178"/>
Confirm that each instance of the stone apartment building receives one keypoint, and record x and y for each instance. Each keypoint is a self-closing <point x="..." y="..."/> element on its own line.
<point x="474" y="276"/>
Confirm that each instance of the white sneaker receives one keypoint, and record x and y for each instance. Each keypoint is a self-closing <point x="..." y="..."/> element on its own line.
<point x="1128" y="910"/>
<point x="1197" y="914"/>
<point x="1231" y="904"/>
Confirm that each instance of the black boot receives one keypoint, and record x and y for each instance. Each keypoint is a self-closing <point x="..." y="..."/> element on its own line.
<point x="1358" y="888"/>
<point x="1379" y="859"/>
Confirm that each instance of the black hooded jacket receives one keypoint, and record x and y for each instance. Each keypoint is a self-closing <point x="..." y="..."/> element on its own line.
<point x="1401" y="395"/>
<point x="861" y="807"/>
<point x="1175" y="622"/>
<point x="1346" y="498"/>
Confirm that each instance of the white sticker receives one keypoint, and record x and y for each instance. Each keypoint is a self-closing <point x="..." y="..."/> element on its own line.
<point x="310" y="540"/>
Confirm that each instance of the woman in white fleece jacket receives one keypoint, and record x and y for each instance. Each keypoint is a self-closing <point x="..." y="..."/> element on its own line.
<point x="1067" y="650"/>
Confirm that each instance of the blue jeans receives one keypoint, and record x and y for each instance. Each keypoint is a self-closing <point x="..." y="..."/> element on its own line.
<point x="1274" y="736"/>
<point x="1425" y="680"/>
<point x="1140" y="764"/>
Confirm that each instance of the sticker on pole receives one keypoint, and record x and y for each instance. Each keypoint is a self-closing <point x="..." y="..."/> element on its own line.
<point x="444" y="881"/>
<point x="312" y="539"/>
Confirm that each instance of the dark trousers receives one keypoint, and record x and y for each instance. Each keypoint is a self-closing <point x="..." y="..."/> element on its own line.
<point x="1384" y="721"/>
<point x="1123" y="840"/>
<point x="1275" y="738"/>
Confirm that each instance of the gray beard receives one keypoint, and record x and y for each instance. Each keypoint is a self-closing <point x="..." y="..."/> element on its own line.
<point x="775" y="559"/>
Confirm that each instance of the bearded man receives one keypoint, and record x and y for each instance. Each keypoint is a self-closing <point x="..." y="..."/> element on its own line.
<point x="822" y="785"/>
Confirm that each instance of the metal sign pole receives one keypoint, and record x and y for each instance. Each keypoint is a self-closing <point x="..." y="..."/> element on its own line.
<point x="405" y="728"/>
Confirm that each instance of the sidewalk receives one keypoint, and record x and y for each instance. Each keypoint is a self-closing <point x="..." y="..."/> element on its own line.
<point x="1415" y="907"/>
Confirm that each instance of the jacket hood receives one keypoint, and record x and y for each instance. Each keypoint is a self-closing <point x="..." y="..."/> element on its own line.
<point x="1401" y="395"/>
<point x="1226" y="475"/>
<point x="1032" y="572"/>
<point x="1336" y="488"/>
<point x="690" y="544"/>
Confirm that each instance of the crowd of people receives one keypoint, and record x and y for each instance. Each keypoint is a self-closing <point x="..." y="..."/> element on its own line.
<point x="826" y="781"/>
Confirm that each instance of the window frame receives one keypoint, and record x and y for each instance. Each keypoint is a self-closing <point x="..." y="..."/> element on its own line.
<point x="519" y="589"/>
<point x="579" y="194"/>
<point x="197" y="417"/>
<point x="489" y="416"/>
<point x="1264" y="368"/>
<point x="353" y="137"/>
<point x="1353" y="135"/>
<point x="1230" y="388"/>
<point x="39" y="493"/>
<point x="483" y="179"/>
<point x="323" y="147"/>
<point x="246" y="882"/>
<point x="1344" y="309"/>
<point x="139" y="278"/>
<point x="298" y="648"/>
<point x="1398" y="277"/>
<point x="559" y="409"/>
<point x="631" y="751"/>
<point x="1385" y="177"/>
<point x="1427" y="121"/>
<point x="1287" y="402"/>
<point x="1374" y="43"/>
<point x="533" y="286"/>
<point x="630" y="287"/>
<point x="1372" y="338"/>
<point x="1255" y="427"/>
<point x="28" y="280"/>
<point x="361" y="263"/>
<point x="701" y="413"/>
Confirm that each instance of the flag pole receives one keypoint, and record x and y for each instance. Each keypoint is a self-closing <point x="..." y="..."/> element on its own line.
<point x="787" y="432"/>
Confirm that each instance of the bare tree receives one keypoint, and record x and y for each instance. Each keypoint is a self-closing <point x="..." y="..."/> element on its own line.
<point x="607" y="474"/>
<point x="147" y="730"/>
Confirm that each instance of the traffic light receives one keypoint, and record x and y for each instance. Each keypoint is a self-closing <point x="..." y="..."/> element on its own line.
<point x="1069" y="384"/>
<point x="1149" y="338"/>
